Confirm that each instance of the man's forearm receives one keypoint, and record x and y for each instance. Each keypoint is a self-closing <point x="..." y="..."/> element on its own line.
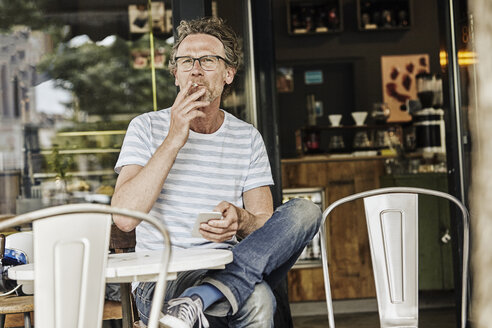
<point x="258" y="208"/>
<point x="139" y="192"/>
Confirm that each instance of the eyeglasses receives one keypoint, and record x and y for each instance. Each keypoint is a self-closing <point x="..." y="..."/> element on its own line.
<point x="208" y="62"/>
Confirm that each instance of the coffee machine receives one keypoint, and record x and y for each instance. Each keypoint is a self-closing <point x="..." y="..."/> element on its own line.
<point x="429" y="118"/>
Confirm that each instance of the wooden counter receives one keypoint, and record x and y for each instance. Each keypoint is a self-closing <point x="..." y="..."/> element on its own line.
<point x="348" y="245"/>
<point x="347" y="240"/>
<point x="332" y="158"/>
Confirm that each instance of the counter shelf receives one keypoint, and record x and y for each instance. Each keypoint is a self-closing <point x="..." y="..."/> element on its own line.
<point x="317" y="139"/>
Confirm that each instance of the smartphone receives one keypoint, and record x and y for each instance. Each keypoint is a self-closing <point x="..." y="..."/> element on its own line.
<point x="203" y="217"/>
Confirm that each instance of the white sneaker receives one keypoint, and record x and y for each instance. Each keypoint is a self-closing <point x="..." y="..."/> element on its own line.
<point x="183" y="313"/>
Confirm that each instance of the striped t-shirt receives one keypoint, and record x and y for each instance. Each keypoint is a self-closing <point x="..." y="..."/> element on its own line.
<point x="209" y="168"/>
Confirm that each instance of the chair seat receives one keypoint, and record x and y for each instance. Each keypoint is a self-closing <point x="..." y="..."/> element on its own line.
<point x="16" y="304"/>
<point x="112" y="310"/>
<point x="16" y="311"/>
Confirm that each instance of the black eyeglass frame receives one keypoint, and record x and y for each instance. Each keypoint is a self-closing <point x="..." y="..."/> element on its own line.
<point x="199" y="61"/>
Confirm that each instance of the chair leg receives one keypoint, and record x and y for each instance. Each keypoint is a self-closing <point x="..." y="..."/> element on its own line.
<point x="27" y="319"/>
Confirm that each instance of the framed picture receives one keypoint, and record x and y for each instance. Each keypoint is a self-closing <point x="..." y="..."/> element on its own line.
<point x="285" y="79"/>
<point x="399" y="82"/>
<point x="138" y="17"/>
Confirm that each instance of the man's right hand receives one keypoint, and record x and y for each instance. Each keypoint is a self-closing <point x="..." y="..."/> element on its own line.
<point x="184" y="110"/>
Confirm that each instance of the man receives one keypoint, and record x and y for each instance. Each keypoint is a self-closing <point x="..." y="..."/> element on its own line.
<point x="195" y="157"/>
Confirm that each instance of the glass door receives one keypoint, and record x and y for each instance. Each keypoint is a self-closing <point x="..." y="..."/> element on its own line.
<point x="458" y="63"/>
<point x="255" y="98"/>
<point x="241" y="102"/>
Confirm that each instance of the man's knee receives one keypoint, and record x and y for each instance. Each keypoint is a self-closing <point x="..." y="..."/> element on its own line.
<point x="259" y="308"/>
<point x="302" y="213"/>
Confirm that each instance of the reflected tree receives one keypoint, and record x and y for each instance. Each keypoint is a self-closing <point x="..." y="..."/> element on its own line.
<point x="104" y="80"/>
<point x="20" y="12"/>
<point x="101" y="78"/>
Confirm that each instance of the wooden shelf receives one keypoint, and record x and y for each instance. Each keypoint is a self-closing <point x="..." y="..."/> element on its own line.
<point x="316" y="140"/>
<point x="91" y="133"/>
<point x="82" y="151"/>
<point x="75" y="174"/>
<point x="357" y="127"/>
<point x="314" y="17"/>
<point x="384" y="15"/>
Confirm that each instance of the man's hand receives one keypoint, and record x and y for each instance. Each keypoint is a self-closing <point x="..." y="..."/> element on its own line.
<point x="258" y="208"/>
<point x="184" y="110"/>
<point x="223" y="229"/>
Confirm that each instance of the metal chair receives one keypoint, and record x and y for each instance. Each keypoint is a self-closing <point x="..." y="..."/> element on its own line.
<point x="392" y="221"/>
<point x="70" y="255"/>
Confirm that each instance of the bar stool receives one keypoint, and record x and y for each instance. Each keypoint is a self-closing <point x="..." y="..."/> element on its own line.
<point x="13" y="305"/>
<point x="122" y="242"/>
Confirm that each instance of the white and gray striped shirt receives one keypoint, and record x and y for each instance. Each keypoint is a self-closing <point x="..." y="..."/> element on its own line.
<point x="209" y="168"/>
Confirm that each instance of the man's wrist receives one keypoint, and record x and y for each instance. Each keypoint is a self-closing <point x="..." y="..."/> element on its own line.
<point x="170" y="146"/>
<point x="246" y="222"/>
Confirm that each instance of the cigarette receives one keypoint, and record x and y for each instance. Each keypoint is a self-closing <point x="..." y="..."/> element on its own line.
<point x="194" y="85"/>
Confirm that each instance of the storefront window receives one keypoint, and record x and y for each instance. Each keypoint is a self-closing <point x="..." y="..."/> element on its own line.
<point x="71" y="79"/>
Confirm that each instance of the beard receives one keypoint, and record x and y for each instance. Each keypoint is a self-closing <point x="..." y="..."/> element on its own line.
<point x="211" y="92"/>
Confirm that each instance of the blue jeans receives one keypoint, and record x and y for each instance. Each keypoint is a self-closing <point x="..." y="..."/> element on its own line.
<point x="261" y="260"/>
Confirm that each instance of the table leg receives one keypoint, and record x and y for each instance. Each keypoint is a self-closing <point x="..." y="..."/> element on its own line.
<point x="126" y="305"/>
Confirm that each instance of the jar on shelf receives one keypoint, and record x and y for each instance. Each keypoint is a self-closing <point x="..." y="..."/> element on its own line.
<point x="312" y="141"/>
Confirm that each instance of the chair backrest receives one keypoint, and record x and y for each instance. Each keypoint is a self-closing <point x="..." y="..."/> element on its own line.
<point x="70" y="255"/>
<point x="392" y="221"/>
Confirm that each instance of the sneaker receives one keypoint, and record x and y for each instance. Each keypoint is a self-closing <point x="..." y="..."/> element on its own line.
<point x="183" y="313"/>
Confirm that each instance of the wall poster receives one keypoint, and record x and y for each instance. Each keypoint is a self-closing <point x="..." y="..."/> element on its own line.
<point x="399" y="82"/>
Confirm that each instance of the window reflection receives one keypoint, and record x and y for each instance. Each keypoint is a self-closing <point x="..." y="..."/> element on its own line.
<point x="241" y="101"/>
<point x="65" y="103"/>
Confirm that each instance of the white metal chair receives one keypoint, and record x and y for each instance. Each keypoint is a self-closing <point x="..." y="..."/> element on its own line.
<point x="392" y="221"/>
<point x="70" y="255"/>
